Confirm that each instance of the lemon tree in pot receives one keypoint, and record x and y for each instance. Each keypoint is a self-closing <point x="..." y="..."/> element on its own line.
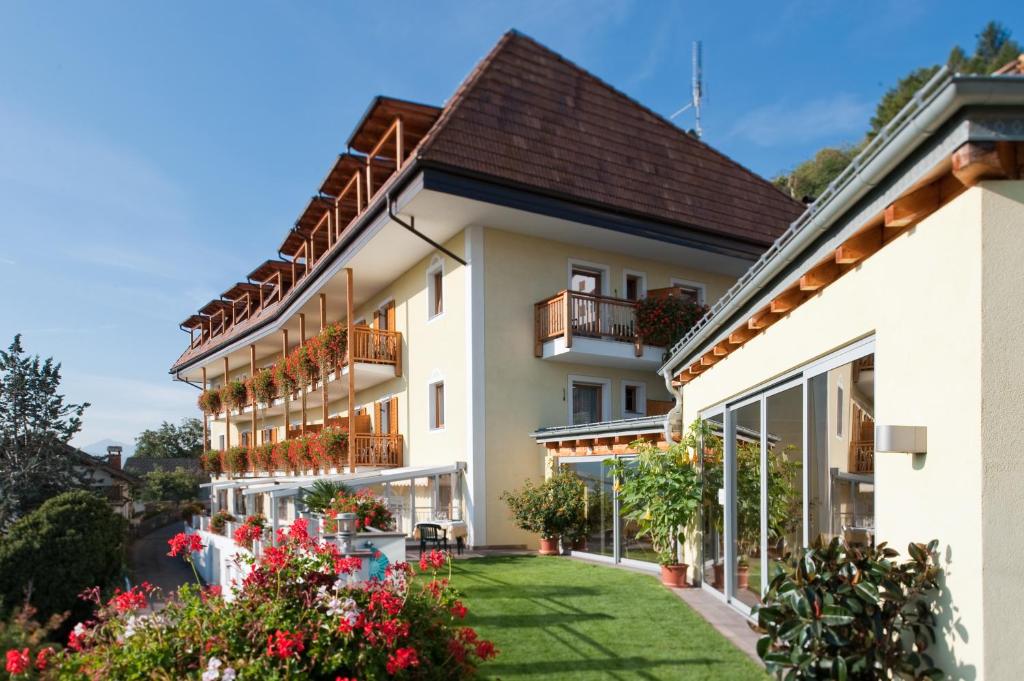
<point x="551" y="509"/>
<point x="660" y="491"/>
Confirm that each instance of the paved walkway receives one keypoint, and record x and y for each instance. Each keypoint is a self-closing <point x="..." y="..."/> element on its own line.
<point x="149" y="561"/>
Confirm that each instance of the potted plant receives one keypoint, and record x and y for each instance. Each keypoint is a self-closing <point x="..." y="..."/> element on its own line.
<point x="550" y="508"/>
<point x="210" y="401"/>
<point x="661" y="492"/>
<point x="264" y="386"/>
<point x="220" y="520"/>
<point x="663" y="320"/>
<point x="235" y="395"/>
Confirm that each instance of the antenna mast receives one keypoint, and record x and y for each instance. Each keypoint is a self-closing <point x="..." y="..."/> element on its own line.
<point x="698" y="85"/>
<point x="697" y="89"/>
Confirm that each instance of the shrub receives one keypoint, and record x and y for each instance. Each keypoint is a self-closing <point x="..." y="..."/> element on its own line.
<point x="72" y="542"/>
<point x="176" y="485"/>
<point x="370" y="510"/>
<point x="190" y="509"/>
<point x="220" y="520"/>
<point x="661" y="492"/>
<point x="841" y="612"/>
<point x="663" y="321"/>
<point x="264" y="386"/>
<point x="554" y="507"/>
<point x="295" y="616"/>
<point x="235" y="395"/>
<point x="210" y="401"/>
<point x="321" y="493"/>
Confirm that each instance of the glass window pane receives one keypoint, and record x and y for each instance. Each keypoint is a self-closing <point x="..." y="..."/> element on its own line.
<point x="633" y="547"/>
<point x="712" y="511"/>
<point x="747" y="582"/>
<point x="785" y="475"/>
<point x="599" y="504"/>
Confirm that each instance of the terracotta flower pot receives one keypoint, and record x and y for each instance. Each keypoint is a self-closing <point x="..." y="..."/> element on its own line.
<point x="742" y="576"/>
<point x="549" y="547"/>
<point x="720" y="576"/>
<point x="674" y="575"/>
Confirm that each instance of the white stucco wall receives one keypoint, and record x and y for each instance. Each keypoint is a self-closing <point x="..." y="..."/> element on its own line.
<point x="943" y="304"/>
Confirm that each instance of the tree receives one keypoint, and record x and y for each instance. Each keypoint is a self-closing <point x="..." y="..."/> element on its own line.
<point x="176" y="485"/>
<point x="993" y="48"/>
<point x="70" y="543"/>
<point x="35" y="426"/>
<point x="170" y="441"/>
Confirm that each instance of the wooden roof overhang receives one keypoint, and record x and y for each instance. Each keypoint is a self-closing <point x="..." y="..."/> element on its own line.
<point x="215" y="306"/>
<point x="416" y="118"/>
<point x="341" y="173"/>
<point x="604" y="445"/>
<point x="239" y="290"/>
<point x="268" y="271"/>
<point x="194" y="321"/>
<point x="969" y="164"/>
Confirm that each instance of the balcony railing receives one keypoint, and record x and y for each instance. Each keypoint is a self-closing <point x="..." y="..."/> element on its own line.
<point x="570" y="313"/>
<point x="377" y="346"/>
<point x="372" y="449"/>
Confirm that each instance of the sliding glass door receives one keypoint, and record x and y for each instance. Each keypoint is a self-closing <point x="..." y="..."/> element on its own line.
<point x="783" y="465"/>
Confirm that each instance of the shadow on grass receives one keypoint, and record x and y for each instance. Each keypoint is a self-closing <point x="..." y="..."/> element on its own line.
<point x="605" y="664"/>
<point x="546" y="619"/>
<point x="501" y="589"/>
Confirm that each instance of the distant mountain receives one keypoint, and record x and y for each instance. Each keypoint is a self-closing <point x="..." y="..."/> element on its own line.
<point x="100" y="448"/>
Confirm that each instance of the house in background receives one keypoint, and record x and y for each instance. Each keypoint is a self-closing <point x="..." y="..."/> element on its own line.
<point x="106" y="477"/>
<point x="485" y="259"/>
<point x="880" y="340"/>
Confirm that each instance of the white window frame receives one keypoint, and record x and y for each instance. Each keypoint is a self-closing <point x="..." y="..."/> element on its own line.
<point x="606" y="395"/>
<point x="605" y="270"/>
<point x="626" y="274"/>
<point x="702" y="289"/>
<point x="641" y="399"/>
<point x="436" y="265"/>
<point x="435" y="379"/>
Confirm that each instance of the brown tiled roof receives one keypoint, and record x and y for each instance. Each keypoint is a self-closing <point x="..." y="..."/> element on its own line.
<point x="528" y="116"/>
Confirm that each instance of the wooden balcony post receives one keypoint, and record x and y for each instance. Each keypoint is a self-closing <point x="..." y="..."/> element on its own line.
<point x="287" y="397"/>
<point x="206" y="420"/>
<point x="302" y="341"/>
<point x="399" y="143"/>
<point x="350" y="335"/>
<point x="566" y="310"/>
<point x="227" y="412"/>
<point x="369" y="178"/>
<point x="252" y="377"/>
<point x="359" y="194"/>
<point x="398" y="353"/>
<point x="323" y="370"/>
<point x="538" y="344"/>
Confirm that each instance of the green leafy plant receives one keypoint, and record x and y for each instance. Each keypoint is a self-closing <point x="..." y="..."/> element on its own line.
<point x="70" y="543"/>
<point x="211" y="462"/>
<point x="839" y="612"/>
<point x="236" y="460"/>
<point x="264" y="386"/>
<point x="321" y="493"/>
<point x="551" y="508"/>
<point x="664" y="320"/>
<point x="661" y="492"/>
<point x="220" y="520"/>
<point x="235" y="395"/>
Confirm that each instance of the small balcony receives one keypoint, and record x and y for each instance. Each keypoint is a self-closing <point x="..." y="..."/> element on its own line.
<point x="591" y="329"/>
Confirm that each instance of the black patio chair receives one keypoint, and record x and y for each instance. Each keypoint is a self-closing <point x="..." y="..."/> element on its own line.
<point x="434" y="534"/>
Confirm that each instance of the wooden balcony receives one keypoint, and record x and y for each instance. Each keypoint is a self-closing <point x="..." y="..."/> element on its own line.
<point x="378" y="450"/>
<point x="584" y="328"/>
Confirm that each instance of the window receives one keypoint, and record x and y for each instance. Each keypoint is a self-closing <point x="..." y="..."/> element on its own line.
<point x="635" y="285"/>
<point x="221" y="446"/>
<point x="586" y="402"/>
<point x="839" y="411"/>
<point x="435" y="288"/>
<point x="634" y="399"/>
<point x="690" y="289"/>
<point x="585" y="279"/>
<point x="245" y="439"/>
<point x="437" y="405"/>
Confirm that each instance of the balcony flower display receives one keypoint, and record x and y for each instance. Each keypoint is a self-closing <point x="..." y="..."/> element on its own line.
<point x="210" y="401"/>
<point x="263" y="386"/>
<point x="219" y="521"/>
<point x="370" y="510"/>
<point x="302" y="364"/>
<point x="235" y="395"/>
<point x="296" y="615"/>
<point x="330" y="346"/>
<point x="286" y="381"/>
<point x="664" y="320"/>
<point x="236" y="460"/>
<point x="261" y="457"/>
<point x="210" y="462"/>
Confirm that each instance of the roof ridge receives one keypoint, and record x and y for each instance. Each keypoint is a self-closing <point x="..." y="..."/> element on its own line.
<point x="661" y="120"/>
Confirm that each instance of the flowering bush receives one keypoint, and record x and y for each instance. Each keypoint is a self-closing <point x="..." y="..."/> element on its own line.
<point x="211" y="462"/>
<point x="219" y="521"/>
<point x="663" y="321"/>
<point x="264" y="386"/>
<point x="210" y="401"/>
<point x="27" y="642"/>
<point x="250" y="530"/>
<point x="236" y="460"/>
<point x="370" y="510"/>
<point x="556" y="506"/>
<point x="297" y="615"/>
<point x="235" y="395"/>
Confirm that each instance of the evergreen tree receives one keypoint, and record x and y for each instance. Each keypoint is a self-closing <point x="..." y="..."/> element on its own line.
<point x="35" y="427"/>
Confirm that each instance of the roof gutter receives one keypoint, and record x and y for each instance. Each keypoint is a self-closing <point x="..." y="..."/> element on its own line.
<point x="931" y="106"/>
<point x="394" y="216"/>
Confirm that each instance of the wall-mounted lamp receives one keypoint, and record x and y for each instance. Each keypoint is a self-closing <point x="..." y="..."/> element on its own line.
<point x="902" y="439"/>
<point x="346" y="530"/>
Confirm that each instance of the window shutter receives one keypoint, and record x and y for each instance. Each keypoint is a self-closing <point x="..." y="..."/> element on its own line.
<point x="376" y="416"/>
<point x="393" y="413"/>
<point x="376" y="319"/>
<point x="391" y="316"/>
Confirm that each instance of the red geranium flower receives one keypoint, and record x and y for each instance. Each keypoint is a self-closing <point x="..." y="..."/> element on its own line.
<point x="184" y="544"/>
<point x="403" y="658"/>
<point x="17" y="661"/>
<point x="284" y="644"/>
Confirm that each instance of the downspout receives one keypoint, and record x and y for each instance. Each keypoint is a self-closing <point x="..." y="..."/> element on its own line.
<point x="394" y="216"/>
<point x="675" y="414"/>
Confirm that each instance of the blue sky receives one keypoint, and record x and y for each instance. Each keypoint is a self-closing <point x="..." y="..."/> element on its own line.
<point x="151" y="154"/>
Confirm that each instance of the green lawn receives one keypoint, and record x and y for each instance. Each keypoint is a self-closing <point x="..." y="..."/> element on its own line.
<point x="565" y="619"/>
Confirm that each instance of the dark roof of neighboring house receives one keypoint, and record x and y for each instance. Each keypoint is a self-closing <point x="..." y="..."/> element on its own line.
<point x="529" y="117"/>
<point x="142" y="465"/>
<point x="100" y="464"/>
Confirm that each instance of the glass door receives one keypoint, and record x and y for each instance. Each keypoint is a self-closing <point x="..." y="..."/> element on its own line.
<point x="712" y="523"/>
<point x="746" y="540"/>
